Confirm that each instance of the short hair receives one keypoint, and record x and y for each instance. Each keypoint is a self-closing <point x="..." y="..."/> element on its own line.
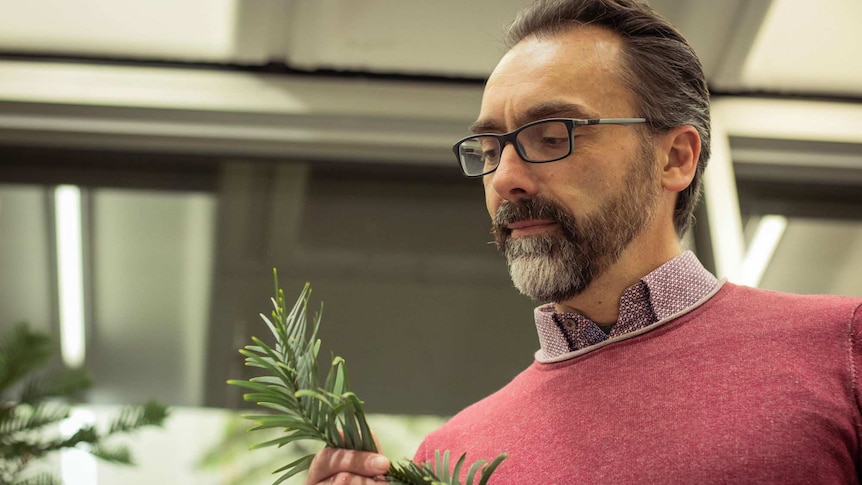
<point x="659" y="67"/>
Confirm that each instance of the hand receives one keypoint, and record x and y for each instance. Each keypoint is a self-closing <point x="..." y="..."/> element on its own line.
<point x="346" y="467"/>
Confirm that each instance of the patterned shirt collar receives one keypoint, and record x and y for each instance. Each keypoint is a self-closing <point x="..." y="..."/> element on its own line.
<point x="669" y="289"/>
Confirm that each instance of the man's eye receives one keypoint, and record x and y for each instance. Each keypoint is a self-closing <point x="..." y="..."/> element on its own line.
<point x="553" y="142"/>
<point x="490" y="155"/>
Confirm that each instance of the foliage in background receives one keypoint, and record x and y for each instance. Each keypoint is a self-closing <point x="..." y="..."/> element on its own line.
<point x="328" y="413"/>
<point x="32" y="405"/>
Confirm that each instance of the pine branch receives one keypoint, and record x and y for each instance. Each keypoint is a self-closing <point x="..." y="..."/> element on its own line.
<point x="23" y="437"/>
<point x="21" y="352"/>
<point x="26" y="418"/>
<point x="329" y="413"/>
<point x="134" y="417"/>
<point x="410" y="473"/>
<point x="32" y="447"/>
<point x="62" y="383"/>
<point x="113" y="454"/>
<point x="40" y="479"/>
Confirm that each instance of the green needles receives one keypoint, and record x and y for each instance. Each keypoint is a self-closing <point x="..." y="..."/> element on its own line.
<point x="326" y="412"/>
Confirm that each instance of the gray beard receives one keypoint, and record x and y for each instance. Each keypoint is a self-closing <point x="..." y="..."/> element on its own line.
<point x="548" y="267"/>
<point x="559" y="265"/>
<point x="556" y="266"/>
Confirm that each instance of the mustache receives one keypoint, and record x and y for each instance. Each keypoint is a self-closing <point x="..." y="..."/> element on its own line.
<point x="536" y="208"/>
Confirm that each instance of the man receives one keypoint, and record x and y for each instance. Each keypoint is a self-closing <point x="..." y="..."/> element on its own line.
<point x="650" y="370"/>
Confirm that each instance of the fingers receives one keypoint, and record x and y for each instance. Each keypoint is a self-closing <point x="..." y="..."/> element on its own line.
<point x="346" y="467"/>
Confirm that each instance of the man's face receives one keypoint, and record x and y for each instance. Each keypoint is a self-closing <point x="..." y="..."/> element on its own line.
<point x="563" y="224"/>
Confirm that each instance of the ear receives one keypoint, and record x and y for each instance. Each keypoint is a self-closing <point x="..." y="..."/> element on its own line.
<point x="681" y="148"/>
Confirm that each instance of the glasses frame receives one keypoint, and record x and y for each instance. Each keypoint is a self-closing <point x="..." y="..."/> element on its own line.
<point x="512" y="138"/>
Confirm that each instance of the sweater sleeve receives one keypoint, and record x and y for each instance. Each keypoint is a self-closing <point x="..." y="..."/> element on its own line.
<point x="856" y="374"/>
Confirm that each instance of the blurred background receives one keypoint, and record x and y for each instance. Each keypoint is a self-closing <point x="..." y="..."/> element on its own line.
<point x="159" y="158"/>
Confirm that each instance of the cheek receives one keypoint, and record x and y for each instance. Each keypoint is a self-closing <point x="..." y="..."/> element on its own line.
<point x="597" y="174"/>
<point x="491" y="204"/>
<point x="491" y="200"/>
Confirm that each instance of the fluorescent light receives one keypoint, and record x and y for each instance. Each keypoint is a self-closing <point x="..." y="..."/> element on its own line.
<point x="70" y="273"/>
<point x="789" y="119"/>
<point x="77" y="467"/>
<point x="770" y="230"/>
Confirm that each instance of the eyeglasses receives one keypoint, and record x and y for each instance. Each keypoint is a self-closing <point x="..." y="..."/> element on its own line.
<point x="541" y="141"/>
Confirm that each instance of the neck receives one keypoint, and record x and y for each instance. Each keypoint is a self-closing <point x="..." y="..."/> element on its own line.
<point x="600" y="301"/>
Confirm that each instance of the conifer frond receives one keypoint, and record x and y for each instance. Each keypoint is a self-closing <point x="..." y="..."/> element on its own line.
<point x="62" y="383"/>
<point x="134" y="417"/>
<point x="30" y="418"/>
<point x="114" y="454"/>
<point x="327" y="412"/>
<point x="24" y="433"/>
<point x="87" y="434"/>
<point x="21" y="352"/>
<point x="438" y="473"/>
<point x="39" y="479"/>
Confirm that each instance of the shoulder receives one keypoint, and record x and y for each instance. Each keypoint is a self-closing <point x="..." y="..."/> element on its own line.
<point x="744" y="313"/>
<point x="742" y="299"/>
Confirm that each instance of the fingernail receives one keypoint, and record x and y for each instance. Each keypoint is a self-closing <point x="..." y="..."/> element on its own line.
<point x="380" y="463"/>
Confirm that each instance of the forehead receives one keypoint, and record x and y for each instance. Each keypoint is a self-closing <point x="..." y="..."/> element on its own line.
<point x="576" y="73"/>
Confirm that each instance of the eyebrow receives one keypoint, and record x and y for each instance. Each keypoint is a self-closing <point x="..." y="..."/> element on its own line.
<point x="551" y="109"/>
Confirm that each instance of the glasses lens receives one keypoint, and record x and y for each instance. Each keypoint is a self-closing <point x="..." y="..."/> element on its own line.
<point x="545" y="141"/>
<point x="479" y="154"/>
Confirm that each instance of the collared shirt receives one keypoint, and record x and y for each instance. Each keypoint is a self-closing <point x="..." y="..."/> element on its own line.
<point x="669" y="289"/>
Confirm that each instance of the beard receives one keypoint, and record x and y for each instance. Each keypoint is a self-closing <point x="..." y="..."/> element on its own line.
<point x="561" y="264"/>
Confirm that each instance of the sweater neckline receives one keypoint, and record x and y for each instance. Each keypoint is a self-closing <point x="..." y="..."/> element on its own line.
<point x="673" y="288"/>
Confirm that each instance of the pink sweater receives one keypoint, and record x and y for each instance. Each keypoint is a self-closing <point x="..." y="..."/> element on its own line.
<point x="751" y="387"/>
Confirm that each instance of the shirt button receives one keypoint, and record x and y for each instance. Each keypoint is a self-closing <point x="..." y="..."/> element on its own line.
<point x="569" y="323"/>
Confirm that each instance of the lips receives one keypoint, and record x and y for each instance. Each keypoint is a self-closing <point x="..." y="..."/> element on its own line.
<point x="534" y="217"/>
<point x="529" y="226"/>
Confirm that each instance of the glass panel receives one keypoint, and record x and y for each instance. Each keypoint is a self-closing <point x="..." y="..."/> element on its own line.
<point x="814" y="189"/>
<point x="817" y="256"/>
<point x="25" y="257"/>
<point x="152" y="263"/>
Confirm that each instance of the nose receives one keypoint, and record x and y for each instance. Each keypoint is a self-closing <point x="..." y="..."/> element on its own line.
<point x="514" y="178"/>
